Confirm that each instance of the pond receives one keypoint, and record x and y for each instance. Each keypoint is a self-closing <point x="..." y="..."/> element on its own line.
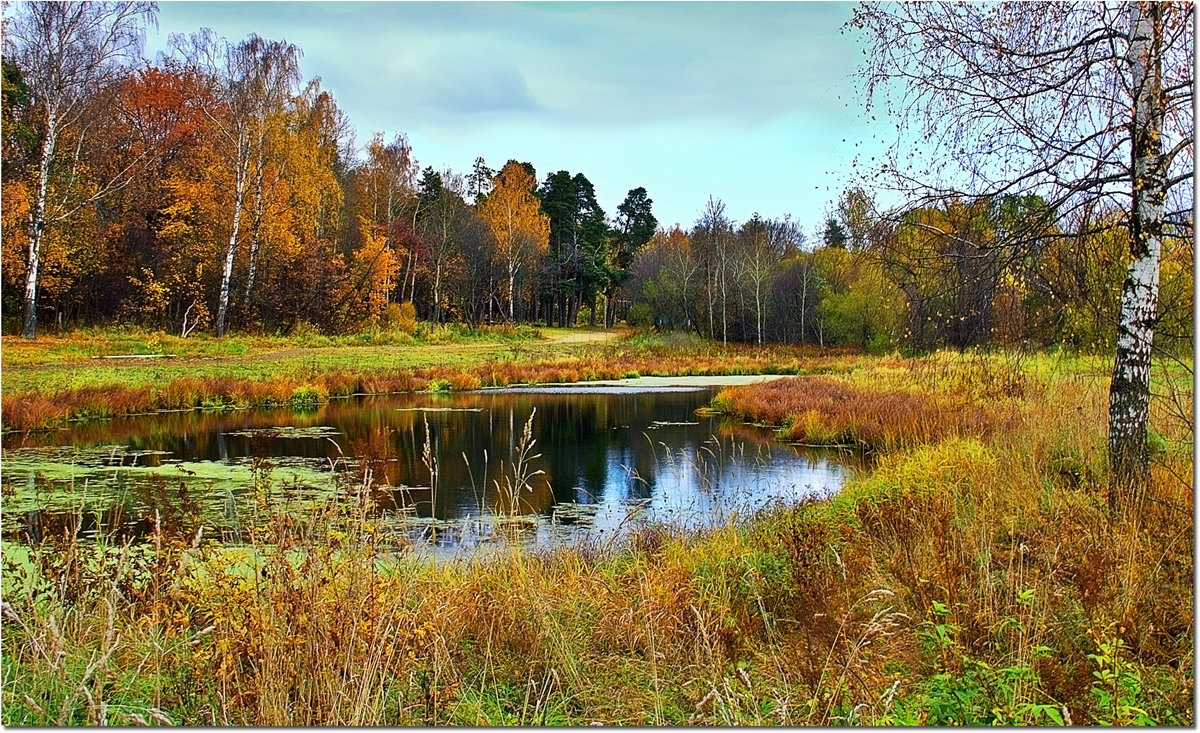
<point x="585" y="461"/>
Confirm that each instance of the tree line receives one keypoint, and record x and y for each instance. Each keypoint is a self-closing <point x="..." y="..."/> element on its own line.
<point x="218" y="189"/>
<point x="919" y="277"/>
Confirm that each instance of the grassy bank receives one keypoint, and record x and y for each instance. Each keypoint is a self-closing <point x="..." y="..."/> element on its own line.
<point x="131" y="358"/>
<point x="975" y="576"/>
<point x="41" y="391"/>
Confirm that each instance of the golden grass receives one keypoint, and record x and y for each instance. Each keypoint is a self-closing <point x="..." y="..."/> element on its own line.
<point x="965" y="579"/>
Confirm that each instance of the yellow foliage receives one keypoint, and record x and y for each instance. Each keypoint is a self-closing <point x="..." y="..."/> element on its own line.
<point x="14" y="215"/>
<point x="376" y="265"/>
<point x="401" y="317"/>
<point x="515" y="217"/>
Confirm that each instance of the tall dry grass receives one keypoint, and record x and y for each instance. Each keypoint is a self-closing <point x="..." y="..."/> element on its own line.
<point x="964" y="580"/>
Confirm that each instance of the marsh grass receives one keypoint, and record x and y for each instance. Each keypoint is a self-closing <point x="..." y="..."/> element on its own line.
<point x="967" y="579"/>
<point x="127" y="391"/>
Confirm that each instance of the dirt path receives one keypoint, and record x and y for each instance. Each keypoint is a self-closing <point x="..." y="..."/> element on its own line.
<point x="583" y="337"/>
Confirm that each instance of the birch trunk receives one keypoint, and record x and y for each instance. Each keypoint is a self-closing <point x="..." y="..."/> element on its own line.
<point x="512" y="288"/>
<point x="258" y="221"/>
<point x="1129" y="395"/>
<point x="37" y="226"/>
<point x="758" y="309"/>
<point x="437" y="293"/>
<point x="231" y="250"/>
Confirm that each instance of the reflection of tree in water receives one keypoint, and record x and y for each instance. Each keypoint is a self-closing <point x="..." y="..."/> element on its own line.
<point x="610" y="450"/>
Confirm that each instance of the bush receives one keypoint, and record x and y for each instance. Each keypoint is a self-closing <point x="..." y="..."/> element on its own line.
<point x="640" y="316"/>
<point x="309" y="394"/>
<point x="401" y="317"/>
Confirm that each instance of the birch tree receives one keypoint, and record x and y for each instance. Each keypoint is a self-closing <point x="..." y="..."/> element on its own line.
<point x="67" y="52"/>
<point x="1079" y="103"/>
<point x="521" y="229"/>
<point x="757" y="256"/>
<point x="255" y="78"/>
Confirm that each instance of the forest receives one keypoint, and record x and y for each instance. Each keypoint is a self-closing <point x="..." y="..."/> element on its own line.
<point x="218" y="190"/>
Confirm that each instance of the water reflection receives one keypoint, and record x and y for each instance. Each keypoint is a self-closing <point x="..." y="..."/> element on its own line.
<point x="595" y="462"/>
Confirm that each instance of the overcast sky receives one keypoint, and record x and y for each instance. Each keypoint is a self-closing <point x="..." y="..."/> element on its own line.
<point x="754" y="103"/>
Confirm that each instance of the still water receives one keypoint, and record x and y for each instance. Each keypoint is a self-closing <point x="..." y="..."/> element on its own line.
<point x="448" y="469"/>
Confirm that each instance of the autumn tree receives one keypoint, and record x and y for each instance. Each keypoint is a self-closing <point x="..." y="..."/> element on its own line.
<point x="794" y="297"/>
<point x="712" y="238"/>
<point x="66" y="53"/>
<point x="855" y="216"/>
<point x="441" y="213"/>
<point x="372" y="271"/>
<point x="950" y="262"/>
<point x="756" y="257"/>
<point x="383" y="189"/>
<point x="305" y="214"/>
<point x="476" y="289"/>
<point x="857" y="304"/>
<point x="253" y="78"/>
<point x="666" y="279"/>
<point x="1076" y="103"/>
<point x="521" y="229"/>
<point x="165" y="281"/>
<point x="388" y="177"/>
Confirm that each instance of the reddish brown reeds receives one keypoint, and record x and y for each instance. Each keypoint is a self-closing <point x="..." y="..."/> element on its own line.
<point x="823" y="411"/>
<point x="34" y="410"/>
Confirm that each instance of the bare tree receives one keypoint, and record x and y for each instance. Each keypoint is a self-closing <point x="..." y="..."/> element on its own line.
<point x="1080" y="103"/>
<point x="713" y="235"/>
<point x="443" y="216"/>
<point x="67" y="52"/>
<point x="760" y="248"/>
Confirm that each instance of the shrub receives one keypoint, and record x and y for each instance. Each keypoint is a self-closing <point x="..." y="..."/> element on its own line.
<point x="401" y="317"/>
<point x="309" y="394"/>
<point x="640" y="316"/>
<point x="304" y="332"/>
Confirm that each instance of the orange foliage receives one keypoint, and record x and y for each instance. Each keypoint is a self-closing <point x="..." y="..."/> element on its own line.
<point x="14" y="234"/>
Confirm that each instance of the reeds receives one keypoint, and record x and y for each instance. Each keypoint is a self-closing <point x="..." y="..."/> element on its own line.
<point x="822" y="411"/>
<point x="35" y="410"/>
<point x="965" y="580"/>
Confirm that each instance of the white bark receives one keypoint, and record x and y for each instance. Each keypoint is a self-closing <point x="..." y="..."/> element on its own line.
<point x="230" y="251"/>
<point x="37" y="227"/>
<point x="512" y="287"/>
<point x="67" y="51"/>
<point x="1129" y="396"/>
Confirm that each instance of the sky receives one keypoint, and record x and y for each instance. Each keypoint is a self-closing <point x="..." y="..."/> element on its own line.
<point x="752" y="103"/>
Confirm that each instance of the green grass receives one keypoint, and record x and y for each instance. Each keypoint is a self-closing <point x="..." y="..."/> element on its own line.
<point x="53" y="364"/>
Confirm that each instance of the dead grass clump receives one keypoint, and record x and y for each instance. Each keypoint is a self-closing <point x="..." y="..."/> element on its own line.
<point x="33" y="410"/>
<point x="827" y="412"/>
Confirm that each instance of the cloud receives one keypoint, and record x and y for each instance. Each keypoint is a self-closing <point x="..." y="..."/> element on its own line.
<point x="449" y="86"/>
<point x="598" y="64"/>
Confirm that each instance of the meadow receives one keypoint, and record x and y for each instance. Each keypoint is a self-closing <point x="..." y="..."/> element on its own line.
<point x="975" y="575"/>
